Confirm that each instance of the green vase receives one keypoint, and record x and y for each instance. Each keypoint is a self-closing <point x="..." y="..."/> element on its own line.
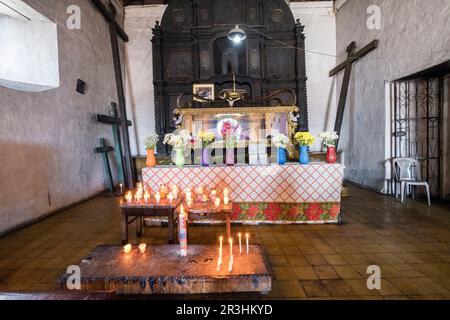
<point x="179" y="157"/>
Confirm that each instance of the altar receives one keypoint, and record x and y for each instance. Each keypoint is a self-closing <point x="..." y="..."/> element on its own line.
<point x="288" y="194"/>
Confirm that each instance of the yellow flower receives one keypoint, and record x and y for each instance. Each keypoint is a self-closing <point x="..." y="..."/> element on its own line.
<point x="304" y="138"/>
<point x="206" y="137"/>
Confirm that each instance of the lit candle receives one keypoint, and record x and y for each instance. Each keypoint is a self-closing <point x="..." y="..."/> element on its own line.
<point x="213" y="195"/>
<point x="121" y="188"/>
<point x="231" y="246"/>
<point x="129" y="197"/>
<point x="175" y="191"/>
<point x="200" y="190"/>
<point x="182" y="232"/>
<point x="146" y="196"/>
<point x="240" y="243"/>
<point x="226" y="192"/>
<point x="230" y="264"/>
<point x="142" y="247"/>
<point x="226" y="200"/>
<point x="205" y="198"/>
<point x="217" y="202"/>
<point x="138" y="196"/>
<point x="127" y="248"/>
<point x="157" y="197"/>
<point x="170" y="197"/>
<point x="247" y="236"/>
<point x="219" y="261"/>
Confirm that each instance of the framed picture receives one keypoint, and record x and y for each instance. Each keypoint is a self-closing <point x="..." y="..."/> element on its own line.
<point x="205" y="91"/>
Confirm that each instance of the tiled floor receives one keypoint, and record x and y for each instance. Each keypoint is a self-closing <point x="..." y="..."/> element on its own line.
<point x="411" y="244"/>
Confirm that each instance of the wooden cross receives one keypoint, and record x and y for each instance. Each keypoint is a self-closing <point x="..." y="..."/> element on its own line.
<point x="116" y="122"/>
<point x="116" y="31"/>
<point x="352" y="57"/>
<point x="105" y="150"/>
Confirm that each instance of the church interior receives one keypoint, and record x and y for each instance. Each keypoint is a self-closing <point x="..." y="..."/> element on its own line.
<point x="224" y="149"/>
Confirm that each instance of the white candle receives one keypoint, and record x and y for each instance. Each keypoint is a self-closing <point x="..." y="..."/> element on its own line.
<point x="219" y="261"/>
<point x="205" y="198"/>
<point x="157" y="197"/>
<point x="121" y="188"/>
<point x="213" y="195"/>
<point x="231" y="247"/>
<point x="226" y="192"/>
<point x="240" y="243"/>
<point x="217" y="202"/>
<point x="127" y="248"/>
<point x="142" y="247"/>
<point x="146" y="196"/>
<point x="230" y="264"/>
<point x="170" y="197"/>
<point x="138" y="196"/>
<point x="247" y="236"/>
<point x="175" y="191"/>
<point x="129" y="197"/>
<point x="226" y="200"/>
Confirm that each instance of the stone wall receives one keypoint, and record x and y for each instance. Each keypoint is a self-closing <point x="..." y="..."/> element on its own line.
<point x="320" y="31"/>
<point x="47" y="139"/>
<point x="412" y="38"/>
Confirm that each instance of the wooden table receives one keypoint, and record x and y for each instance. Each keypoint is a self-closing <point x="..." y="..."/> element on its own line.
<point x="138" y="211"/>
<point x="160" y="270"/>
<point x="207" y="211"/>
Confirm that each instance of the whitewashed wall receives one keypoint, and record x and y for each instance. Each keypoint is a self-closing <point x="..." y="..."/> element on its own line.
<point x="320" y="37"/>
<point x="412" y="38"/>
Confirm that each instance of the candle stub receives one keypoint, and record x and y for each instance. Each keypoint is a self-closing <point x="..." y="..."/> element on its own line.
<point x="142" y="247"/>
<point x="127" y="248"/>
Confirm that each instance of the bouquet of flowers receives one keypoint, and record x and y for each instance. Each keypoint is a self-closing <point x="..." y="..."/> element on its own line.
<point x="304" y="138"/>
<point x="229" y="129"/>
<point x="329" y="139"/>
<point x="206" y="137"/>
<point x="280" y="141"/>
<point x="151" y="141"/>
<point x="178" y="139"/>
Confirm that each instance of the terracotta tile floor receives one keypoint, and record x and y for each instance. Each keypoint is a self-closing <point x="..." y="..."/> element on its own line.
<point x="411" y="244"/>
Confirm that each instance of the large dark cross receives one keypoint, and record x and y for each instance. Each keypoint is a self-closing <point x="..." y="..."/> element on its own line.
<point x="352" y="57"/>
<point x="116" y="122"/>
<point x="105" y="150"/>
<point x="116" y="31"/>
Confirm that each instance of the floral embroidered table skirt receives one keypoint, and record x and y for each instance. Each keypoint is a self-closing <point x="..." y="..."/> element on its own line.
<point x="291" y="193"/>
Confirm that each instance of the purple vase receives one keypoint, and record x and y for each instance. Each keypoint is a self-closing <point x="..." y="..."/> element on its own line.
<point x="229" y="156"/>
<point x="206" y="157"/>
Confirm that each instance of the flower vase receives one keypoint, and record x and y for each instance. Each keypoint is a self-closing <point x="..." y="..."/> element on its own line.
<point x="229" y="158"/>
<point x="304" y="155"/>
<point x="281" y="156"/>
<point x="179" y="157"/>
<point x="150" y="162"/>
<point x="206" y="156"/>
<point x="331" y="156"/>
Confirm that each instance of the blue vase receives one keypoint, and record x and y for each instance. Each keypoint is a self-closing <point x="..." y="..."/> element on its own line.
<point x="304" y="155"/>
<point x="281" y="156"/>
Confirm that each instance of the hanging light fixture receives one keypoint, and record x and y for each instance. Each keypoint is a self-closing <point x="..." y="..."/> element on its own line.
<point x="237" y="35"/>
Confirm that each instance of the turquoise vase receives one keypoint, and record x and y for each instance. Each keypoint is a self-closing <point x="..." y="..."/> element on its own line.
<point x="281" y="156"/>
<point x="304" y="155"/>
<point x="179" y="157"/>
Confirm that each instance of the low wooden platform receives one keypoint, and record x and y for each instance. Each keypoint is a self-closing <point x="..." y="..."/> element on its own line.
<point x="161" y="271"/>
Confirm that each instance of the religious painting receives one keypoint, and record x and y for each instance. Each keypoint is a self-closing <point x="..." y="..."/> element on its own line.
<point x="203" y="92"/>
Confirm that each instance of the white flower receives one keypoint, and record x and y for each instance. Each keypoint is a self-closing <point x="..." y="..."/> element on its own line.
<point x="151" y="141"/>
<point x="280" y="141"/>
<point x="329" y="138"/>
<point x="178" y="139"/>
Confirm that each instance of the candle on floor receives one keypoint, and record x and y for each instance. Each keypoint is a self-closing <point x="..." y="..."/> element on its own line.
<point x="247" y="236"/>
<point x="230" y="264"/>
<point x="170" y="197"/>
<point x="240" y="243"/>
<point x="142" y="247"/>
<point x="121" y="188"/>
<point x="127" y="248"/>
<point x="158" y="197"/>
<point x="146" y="196"/>
<point x="231" y="246"/>
<point x="219" y="261"/>
<point x="129" y="197"/>
<point x="217" y="202"/>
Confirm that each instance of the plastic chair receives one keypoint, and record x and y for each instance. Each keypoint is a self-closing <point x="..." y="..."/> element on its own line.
<point x="407" y="176"/>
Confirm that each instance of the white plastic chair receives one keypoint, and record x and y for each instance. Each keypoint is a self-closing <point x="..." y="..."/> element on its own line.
<point x="407" y="172"/>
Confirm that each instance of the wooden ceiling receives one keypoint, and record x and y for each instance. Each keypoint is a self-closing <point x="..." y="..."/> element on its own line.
<point x="143" y="2"/>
